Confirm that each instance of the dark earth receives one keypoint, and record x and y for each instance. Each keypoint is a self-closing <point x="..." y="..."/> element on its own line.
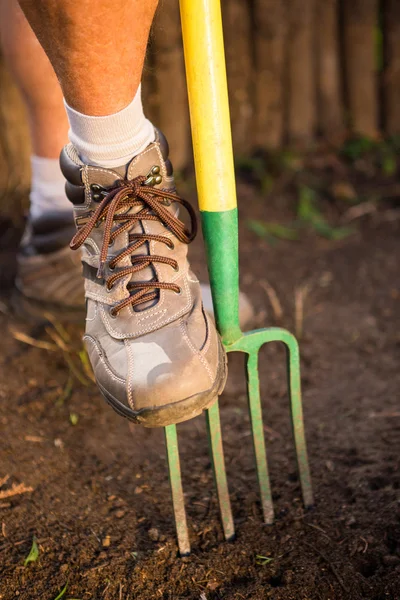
<point x="95" y="492"/>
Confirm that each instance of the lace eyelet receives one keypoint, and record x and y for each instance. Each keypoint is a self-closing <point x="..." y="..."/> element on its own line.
<point x="110" y="268"/>
<point x="171" y="246"/>
<point x="109" y="289"/>
<point x="179" y="293"/>
<point x="176" y="269"/>
<point x="111" y="243"/>
<point x="112" y="314"/>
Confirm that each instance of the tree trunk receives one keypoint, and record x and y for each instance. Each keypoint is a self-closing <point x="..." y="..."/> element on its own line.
<point x="14" y="145"/>
<point x="391" y="81"/>
<point x="330" y="109"/>
<point x="360" y="19"/>
<point x="170" y="82"/>
<point x="301" y="89"/>
<point x="269" y="40"/>
<point x="237" y="34"/>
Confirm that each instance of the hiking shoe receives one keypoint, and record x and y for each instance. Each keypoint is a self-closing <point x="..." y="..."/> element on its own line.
<point x="49" y="273"/>
<point x="156" y="355"/>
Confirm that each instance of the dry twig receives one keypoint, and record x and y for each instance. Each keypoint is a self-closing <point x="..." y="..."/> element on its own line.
<point x="300" y="295"/>
<point x="4" y="480"/>
<point x="27" y="339"/>
<point x="274" y="300"/>
<point x="16" y="488"/>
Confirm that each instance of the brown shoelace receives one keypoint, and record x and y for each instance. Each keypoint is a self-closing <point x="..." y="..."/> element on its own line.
<point x="127" y="195"/>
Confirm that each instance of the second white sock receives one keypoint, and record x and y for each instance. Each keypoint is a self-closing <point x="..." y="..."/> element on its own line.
<point x="112" y="140"/>
<point x="47" y="188"/>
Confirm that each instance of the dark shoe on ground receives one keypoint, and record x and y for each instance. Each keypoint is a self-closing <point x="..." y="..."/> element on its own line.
<point x="49" y="273"/>
<point x="156" y="355"/>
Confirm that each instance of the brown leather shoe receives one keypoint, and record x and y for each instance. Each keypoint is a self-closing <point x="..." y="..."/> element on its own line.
<point x="49" y="273"/>
<point x="156" y="355"/>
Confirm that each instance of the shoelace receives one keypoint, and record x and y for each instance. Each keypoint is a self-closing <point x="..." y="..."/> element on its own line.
<point x="127" y="195"/>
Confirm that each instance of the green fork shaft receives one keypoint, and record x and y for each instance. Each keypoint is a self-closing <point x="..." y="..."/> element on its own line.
<point x="178" y="503"/>
<point x="212" y="145"/>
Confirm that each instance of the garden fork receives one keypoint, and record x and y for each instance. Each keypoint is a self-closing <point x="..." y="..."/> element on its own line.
<point x="210" y="123"/>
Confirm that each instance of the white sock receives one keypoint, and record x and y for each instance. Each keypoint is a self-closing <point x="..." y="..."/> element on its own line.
<point x="47" y="187"/>
<point x="112" y="140"/>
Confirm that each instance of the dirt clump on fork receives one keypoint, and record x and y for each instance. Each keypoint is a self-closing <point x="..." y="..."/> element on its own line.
<point x="99" y="502"/>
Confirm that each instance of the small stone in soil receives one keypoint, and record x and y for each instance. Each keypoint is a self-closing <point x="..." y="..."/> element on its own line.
<point x="153" y="534"/>
<point x="390" y="560"/>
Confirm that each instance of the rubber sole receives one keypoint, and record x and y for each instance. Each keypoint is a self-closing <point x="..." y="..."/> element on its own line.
<point x="176" y="412"/>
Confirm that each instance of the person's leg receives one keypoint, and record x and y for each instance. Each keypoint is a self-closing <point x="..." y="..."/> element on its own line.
<point x="97" y="48"/>
<point x="156" y="355"/>
<point x="47" y="269"/>
<point x="36" y="80"/>
<point x="43" y="99"/>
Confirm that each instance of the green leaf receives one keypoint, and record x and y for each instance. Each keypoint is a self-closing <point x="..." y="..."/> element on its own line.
<point x="258" y="227"/>
<point x="306" y="209"/>
<point x="67" y="391"/>
<point x="281" y="231"/>
<point x="73" y="417"/>
<point x="389" y="164"/>
<point x="62" y="593"/>
<point x="33" y="554"/>
<point x="263" y="560"/>
<point x="269" y="231"/>
<point x="87" y="367"/>
<point x="331" y="233"/>
<point x="357" y="147"/>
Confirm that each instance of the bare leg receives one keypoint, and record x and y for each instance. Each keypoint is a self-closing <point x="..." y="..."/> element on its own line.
<point x="36" y="80"/>
<point x="96" y="47"/>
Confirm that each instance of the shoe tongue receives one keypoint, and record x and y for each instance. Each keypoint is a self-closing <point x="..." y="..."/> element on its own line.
<point x="149" y="163"/>
<point x="146" y="163"/>
<point x="143" y="163"/>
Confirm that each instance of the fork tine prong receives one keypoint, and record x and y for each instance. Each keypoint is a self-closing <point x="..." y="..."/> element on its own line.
<point x="257" y="429"/>
<point x="174" y="469"/>
<point x="294" y="383"/>
<point x="218" y="462"/>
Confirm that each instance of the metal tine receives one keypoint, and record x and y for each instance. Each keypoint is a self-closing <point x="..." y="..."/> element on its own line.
<point x="174" y="469"/>
<point x="218" y="463"/>
<point x="257" y="429"/>
<point x="294" y="384"/>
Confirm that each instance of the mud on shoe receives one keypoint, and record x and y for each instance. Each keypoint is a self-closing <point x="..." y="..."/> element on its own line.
<point x="156" y="355"/>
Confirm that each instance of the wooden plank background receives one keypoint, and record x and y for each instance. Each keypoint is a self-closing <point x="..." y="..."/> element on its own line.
<point x="299" y="71"/>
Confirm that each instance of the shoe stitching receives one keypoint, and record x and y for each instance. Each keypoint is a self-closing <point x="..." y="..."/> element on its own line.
<point x="195" y="351"/>
<point x="100" y="353"/>
<point x="130" y="373"/>
<point x="209" y="330"/>
<point x="139" y="332"/>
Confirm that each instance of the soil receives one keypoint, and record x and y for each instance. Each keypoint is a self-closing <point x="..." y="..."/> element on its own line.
<point x="100" y="504"/>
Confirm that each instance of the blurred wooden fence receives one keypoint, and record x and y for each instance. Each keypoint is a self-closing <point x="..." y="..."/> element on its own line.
<point x="298" y="71"/>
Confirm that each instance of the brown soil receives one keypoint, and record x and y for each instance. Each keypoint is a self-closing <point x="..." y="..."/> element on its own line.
<point x="100" y="506"/>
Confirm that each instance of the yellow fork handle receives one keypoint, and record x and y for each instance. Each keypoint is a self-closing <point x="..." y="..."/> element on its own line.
<point x="208" y="102"/>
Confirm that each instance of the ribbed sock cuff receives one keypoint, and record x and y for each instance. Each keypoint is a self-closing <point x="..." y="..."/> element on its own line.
<point x="112" y="140"/>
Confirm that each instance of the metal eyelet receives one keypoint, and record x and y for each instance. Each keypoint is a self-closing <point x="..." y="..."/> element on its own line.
<point x="110" y="312"/>
<point x="111" y="243"/>
<point x="109" y="289"/>
<point x="110" y="268"/>
<point x="98" y="192"/>
<point x="171" y="246"/>
<point x="153" y="177"/>
<point x="176" y="269"/>
<point x="179" y="293"/>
